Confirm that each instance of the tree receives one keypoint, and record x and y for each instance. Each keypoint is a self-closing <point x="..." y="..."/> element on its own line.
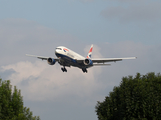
<point x="137" y="98"/>
<point x="11" y="104"/>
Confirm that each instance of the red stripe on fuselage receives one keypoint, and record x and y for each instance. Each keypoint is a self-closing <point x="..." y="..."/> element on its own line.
<point x="65" y="49"/>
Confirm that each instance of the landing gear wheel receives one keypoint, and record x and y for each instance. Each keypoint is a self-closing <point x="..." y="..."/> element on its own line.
<point x="64" y="69"/>
<point x="84" y="70"/>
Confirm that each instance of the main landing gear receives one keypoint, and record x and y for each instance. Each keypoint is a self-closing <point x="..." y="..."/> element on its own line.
<point x="84" y="70"/>
<point x="64" y="69"/>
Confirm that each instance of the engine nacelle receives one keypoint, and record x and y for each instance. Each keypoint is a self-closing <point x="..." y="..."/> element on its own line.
<point x="88" y="62"/>
<point x="51" y="61"/>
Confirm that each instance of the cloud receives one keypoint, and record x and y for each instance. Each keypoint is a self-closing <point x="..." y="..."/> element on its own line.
<point x="21" y="36"/>
<point x="40" y="81"/>
<point x="37" y="80"/>
<point x="148" y="59"/>
<point x="17" y="30"/>
<point x="43" y="84"/>
<point x="137" y="11"/>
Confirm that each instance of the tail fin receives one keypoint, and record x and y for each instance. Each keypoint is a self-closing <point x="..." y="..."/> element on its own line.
<point x="90" y="52"/>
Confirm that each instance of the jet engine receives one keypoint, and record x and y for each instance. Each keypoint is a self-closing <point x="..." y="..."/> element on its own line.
<point x="51" y="61"/>
<point x="88" y="62"/>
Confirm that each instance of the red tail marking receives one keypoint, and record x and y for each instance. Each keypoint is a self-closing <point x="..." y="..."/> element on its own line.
<point x="91" y="50"/>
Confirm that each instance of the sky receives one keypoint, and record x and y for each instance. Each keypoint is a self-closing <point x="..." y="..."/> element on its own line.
<point x="117" y="28"/>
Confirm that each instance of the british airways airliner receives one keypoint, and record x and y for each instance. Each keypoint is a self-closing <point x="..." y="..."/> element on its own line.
<point x="67" y="58"/>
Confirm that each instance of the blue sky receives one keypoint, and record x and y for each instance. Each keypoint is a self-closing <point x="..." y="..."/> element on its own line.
<point x="117" y="28"/>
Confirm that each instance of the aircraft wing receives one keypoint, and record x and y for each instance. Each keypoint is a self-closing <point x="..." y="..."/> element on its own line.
<point x="41" y="57"/>
<point x="103" y="60"/>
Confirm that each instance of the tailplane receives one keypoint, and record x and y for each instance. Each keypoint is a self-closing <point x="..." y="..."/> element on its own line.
<point x="90" y="52"/>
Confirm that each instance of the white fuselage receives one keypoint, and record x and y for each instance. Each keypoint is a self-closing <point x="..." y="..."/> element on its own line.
<point x="68" y="57"/>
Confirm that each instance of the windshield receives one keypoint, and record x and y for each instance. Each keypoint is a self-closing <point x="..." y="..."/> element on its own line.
<point x="58" y="49"/>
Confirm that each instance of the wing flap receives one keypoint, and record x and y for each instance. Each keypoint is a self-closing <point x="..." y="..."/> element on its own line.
<point x="101" y="64"/>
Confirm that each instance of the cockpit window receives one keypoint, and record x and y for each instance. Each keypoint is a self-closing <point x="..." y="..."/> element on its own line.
<point x="58" y="49"/>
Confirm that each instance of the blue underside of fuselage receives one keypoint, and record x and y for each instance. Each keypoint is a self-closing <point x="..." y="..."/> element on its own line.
<point x="70" y="61"/>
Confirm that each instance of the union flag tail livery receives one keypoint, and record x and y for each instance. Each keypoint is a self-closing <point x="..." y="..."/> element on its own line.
<point x="67" y="58"/>
<point x="90" y="52"/>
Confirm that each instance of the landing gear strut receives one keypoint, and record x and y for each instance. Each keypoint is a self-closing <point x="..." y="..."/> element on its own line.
<point x="64" y="69"/>
<point x="84" y="70"/>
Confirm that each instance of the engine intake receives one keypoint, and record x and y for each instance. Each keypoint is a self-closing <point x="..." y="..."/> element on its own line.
<point x="88" y="62"/>
<point x="51" y="61"/>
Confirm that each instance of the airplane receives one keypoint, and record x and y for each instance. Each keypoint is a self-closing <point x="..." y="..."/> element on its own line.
<point x="68" y="58"/>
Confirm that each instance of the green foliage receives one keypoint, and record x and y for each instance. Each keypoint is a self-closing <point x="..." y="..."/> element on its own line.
<point x="136" y="98"/>
<point x="11" y="104"/>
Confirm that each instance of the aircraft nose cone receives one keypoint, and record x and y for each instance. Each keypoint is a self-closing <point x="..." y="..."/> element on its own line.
<point x="56" y="51"/>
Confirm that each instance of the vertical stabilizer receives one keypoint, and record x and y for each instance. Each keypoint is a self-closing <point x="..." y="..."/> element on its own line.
<point x="90" y="52"/>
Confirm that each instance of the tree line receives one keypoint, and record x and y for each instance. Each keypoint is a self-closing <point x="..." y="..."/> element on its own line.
<point x="136" y="98"/>
<point x="11" y="104"/>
